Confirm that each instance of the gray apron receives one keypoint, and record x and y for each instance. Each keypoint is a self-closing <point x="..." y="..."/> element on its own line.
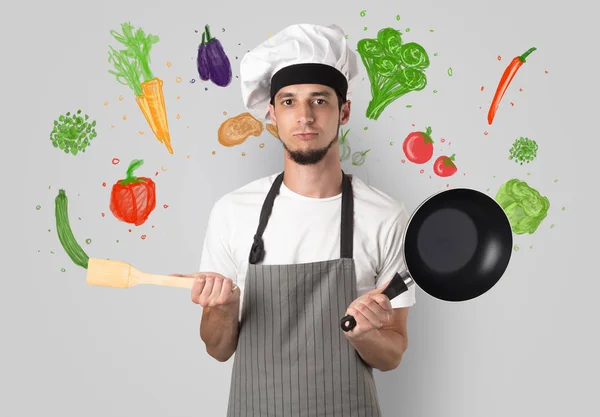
<point x="292" y="358"/>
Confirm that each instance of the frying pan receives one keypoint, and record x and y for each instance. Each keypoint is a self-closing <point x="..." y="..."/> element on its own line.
<point x="456" y="245"/>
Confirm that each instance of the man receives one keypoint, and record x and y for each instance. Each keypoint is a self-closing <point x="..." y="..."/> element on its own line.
<point x="287" y="256"/>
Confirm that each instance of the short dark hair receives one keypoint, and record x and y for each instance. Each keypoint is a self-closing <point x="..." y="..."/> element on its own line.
<point x="341" y="101"/>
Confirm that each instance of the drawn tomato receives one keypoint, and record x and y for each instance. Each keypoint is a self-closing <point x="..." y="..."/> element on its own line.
<point x="444" y="166"/>
<point x="132" y="199"/>
<point x="418" y="146"/>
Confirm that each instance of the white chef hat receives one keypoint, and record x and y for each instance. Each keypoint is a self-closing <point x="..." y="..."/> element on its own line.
<point x="299" y="54"/>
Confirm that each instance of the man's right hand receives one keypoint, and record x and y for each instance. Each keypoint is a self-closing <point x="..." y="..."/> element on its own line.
<point x="211" y="289"/>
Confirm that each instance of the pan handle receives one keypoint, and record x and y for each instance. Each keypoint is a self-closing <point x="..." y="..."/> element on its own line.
<point x="398" y="285"/>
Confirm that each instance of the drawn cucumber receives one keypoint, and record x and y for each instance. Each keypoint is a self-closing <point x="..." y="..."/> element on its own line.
<point x="65" y="234"/>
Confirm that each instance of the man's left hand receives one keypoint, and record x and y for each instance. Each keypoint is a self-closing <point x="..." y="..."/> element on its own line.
<point x="371" y="311"/>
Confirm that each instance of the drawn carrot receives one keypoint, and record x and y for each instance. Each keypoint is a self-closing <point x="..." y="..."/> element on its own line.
<point x="507" y="76"/>
<point x="132" y="68"/>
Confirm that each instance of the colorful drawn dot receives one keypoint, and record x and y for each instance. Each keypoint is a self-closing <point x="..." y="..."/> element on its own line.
<point x="112" y="126"/>
<point x="499" y="57"/>
<point x="520" y="89"/>
<point x="213" y="152"/>
<point x="129" y="230"/>
<point x="88" y="241"/>
<point x="552" y="226"/>
<point x="546" y="71"/>
<point x="169" y="64"/>
<point x="156" y="173"/>
<point x="120" y="98"/>
<point x="224" y="113"/>
<point x="192" y="81"/>
<point x="556" y="180"/>
<point x="481" y="88"/>
<point x="52" y="252"/>
<point x="117" y="240"/>
<point x="436" y="54"/>
<point x="443" y="140"/>
<point x="512" y="104"/>
<point x="365" y="29"/>
<point x="431" y="30"/>
<point x="435" y="91"/>
<point x="166" y="206"/>
<point x="124" y="117"/>
<point x="115" y="161"/>
<point x="391" y="143"/>
<point x="564" y="208"/>
<point x="178" y="116"/>
<point x="516" y="247"/>
<point x="143" y="237"/>
<point x="397" y="17"/>
<point x="188" y="157"/>
<point x="243" y="153"/>
<point x="407" y="29"/>
<point x="141" y="132"/>
<point x="178" y="79"/>
<point x="450" y="71"/>
<point x="487" y="189"/>
<point x="262" y="145"/>
<point x="38" y="207"/>
<point x="106" y="103"/>
<point x="403" y="160"/>
<point x="422" y="171"/>
<point x="409" y="106"/>
<point x="103" y="214"/>
<point x="178" y="97"/>
<point x="363" y="13"/>
<point x="153" y="226"/>
<point x="485" y="133"/>
<point x="62" y="269"/>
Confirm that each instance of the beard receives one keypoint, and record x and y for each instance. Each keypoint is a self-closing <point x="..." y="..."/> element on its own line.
<point x="313" y="156"/>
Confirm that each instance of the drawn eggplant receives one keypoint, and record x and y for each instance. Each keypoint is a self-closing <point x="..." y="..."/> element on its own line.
<point x="212" y="61"/>
<point x="201" y="61"/>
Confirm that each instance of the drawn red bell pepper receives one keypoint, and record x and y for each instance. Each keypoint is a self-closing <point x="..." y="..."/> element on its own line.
<point x="132" y="199"/>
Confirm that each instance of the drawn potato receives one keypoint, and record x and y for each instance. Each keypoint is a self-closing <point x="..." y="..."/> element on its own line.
<point x="235" y="130"/>
<point x="272" y="129"/>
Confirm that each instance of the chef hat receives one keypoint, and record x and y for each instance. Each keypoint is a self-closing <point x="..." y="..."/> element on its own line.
<point x="299" y="54"/>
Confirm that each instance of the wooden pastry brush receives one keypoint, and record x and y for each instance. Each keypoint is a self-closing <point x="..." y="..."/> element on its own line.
<point x="118" y="274"/>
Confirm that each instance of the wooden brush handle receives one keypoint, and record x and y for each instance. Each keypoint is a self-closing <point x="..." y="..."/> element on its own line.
<point x="166" y="280"/>
<point x="170" y="281"/>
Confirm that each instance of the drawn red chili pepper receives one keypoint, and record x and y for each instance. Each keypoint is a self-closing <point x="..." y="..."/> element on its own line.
<point x="132" y="199"/>
<point x="505" y="80"/>
<point x="444" y="166"/>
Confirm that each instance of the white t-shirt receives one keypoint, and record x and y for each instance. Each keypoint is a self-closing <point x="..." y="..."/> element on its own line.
<point x="304" y="229"/>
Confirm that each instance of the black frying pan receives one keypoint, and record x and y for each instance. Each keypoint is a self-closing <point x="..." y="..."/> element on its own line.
<point x="457" y="245"/>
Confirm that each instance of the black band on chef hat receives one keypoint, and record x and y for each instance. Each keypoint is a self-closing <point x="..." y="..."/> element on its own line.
<point x="309" y="73"/>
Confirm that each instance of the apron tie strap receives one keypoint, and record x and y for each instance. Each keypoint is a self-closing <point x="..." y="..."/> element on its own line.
<point x="257" y="252"/>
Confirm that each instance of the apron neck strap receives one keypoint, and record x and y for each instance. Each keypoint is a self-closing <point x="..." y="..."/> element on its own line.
<point x="257" y="251"/>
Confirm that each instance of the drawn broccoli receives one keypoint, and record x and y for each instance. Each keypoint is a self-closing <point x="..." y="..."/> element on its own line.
<point x="394" y="68"/>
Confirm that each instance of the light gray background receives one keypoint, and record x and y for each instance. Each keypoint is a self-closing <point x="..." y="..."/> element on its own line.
<point x="528" y="347"/>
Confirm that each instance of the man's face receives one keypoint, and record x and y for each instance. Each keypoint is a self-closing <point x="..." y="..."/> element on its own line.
<point x="308" y="109"/>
